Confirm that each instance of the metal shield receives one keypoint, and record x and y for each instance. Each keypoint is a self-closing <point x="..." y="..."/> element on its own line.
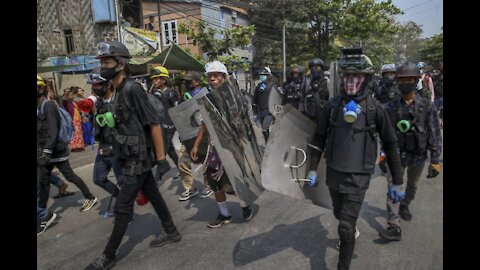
<point x="286" y="159"/>
<point x="225" y="114"/>
<point x="274" y="102"/>
<point x="184" y="118"/>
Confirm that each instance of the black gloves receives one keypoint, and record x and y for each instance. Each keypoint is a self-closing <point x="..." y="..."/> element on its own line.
<point x="162" y="167"/>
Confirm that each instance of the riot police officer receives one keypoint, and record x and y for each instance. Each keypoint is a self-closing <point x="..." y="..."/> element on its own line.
<point x="417" y="127"/>
<point x="316" y="90"/>
<point x="260" y="100"/>
<point x="138" y="145"/>
<point x="169" y="98"/>
<point x="293" y="88"/>
<point x="387" y="90"/>
<point x="347" y="132"/>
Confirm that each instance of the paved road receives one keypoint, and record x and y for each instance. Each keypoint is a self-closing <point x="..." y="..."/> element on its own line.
<point x="284" y="233"/>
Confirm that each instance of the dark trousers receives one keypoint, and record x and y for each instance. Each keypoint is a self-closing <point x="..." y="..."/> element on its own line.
<point x="67" y="172"/>
<point x="103" y="165"/>
<point x="124" y="207"/>
<point x="168" y="143"/>
<point x="346" y="207"/>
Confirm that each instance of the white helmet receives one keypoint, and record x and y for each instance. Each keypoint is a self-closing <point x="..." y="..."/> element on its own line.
<point x="215" y="66"/>
<point x="389" y="68"/>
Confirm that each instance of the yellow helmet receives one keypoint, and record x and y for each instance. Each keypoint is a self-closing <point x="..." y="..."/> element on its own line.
<point x="40" y="81"/>
<point x="159" y="72"/>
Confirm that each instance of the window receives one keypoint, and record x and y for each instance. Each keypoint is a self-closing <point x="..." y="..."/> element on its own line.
<point x="170" y="32"/>
<point x="69" y="40"/>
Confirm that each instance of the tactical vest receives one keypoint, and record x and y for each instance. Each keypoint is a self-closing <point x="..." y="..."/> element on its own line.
<point x="386" y="93"/>
<point x="131" y="142"/>
<point x="167" y="100"/>
<point x="293" y="93"/>
<point x="352" y="148"/>
<point x="316" y="96"/>
<point x="438" y="86"/>
<point x="103" y="134"/>
<point x="415" y="140"/>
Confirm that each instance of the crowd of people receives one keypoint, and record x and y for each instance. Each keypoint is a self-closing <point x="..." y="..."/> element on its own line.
<point x="401" y="111"/>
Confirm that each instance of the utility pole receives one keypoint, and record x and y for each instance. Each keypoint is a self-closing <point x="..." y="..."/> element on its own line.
<point x="284" y="51"/>
<point x="119" y="29"/>
<point x="159" y="26"/>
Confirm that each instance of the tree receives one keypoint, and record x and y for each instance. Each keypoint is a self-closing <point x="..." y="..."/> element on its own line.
<point x="407" y="43"/>
<point x="218" y="44"/>
<point x="313" y="27"/>
<point x="431" y="51"/>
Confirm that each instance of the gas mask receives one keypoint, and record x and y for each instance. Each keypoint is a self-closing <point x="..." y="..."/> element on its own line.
<point x="189" y="85"/>
<point x="105" y="119"/>
<point x="352" y="84"/>
<point x="407" y="88"/>
<point x="390" y="77"/>
<point x="317" y="74"/>
<point x="263" y="78"/>
<point x="351" y="111"/>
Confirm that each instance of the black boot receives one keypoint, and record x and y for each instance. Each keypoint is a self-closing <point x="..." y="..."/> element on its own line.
<point x="405" y="213"/>
<point x="393" y="233"/>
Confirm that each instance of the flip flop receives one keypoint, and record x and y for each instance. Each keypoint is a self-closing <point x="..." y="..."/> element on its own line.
<point x="64" y="194"/>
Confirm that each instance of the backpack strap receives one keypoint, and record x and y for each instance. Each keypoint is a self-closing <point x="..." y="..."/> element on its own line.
<point x="370" y="105"/>
<point x="43" y="105"/>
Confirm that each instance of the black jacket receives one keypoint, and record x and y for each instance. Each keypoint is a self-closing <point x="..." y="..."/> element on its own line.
<point x="383" y="127"/>
<point x="47" y="131"/>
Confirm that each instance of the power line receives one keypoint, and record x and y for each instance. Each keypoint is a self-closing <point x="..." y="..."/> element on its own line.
<point x="416" y="5"/>
<point x="429" y="9"/>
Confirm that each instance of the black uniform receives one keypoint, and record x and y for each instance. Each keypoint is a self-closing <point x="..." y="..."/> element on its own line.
<point x="315" y="96"/>
<point x="260" y="105"/>
<point x="133" y="147"/>
<point x="105" y="161"/>
<point x="47" y="142"/>
<point x="293" y="93"/>
<point x="350" y="153"/>
<point x="169" y="99"/>
<point x="387" y="90"/>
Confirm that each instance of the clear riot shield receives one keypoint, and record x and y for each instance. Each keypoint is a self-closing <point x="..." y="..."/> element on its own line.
<point x="225" y="114"/>
<point x="274" y="102"/>
<point x="286" y="158"/>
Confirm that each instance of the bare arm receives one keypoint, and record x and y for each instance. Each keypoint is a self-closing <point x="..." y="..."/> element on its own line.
<point x="157" y="138"/>
<point x="201" y="134"/>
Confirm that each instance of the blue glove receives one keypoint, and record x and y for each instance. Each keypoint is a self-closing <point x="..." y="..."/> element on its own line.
<point x="312" y="176"/>
<point x="395" y="193"/>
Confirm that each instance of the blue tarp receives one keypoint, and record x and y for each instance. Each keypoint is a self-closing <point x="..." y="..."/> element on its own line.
<point x="103" y="11"/>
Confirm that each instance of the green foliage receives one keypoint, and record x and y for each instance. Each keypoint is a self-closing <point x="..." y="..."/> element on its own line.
<point x="431" y="51"/>
<point x="313" y="27"/>
<point x="407" y="43"/>
<point x="216" y="42"/>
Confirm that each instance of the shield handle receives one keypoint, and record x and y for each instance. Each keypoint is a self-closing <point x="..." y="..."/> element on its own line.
<point x="304" y="157"/>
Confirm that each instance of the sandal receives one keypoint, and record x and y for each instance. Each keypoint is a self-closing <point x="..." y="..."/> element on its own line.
<point x="64" y="194"/>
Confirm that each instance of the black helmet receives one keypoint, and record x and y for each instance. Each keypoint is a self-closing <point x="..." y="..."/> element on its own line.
<point x="316" y="62"/>
<point x="354" y="61"/>
<point x="111" y="49"/>
<point x="94" y="76"/>
<point x="298" y="69"/>
<point x="408" y="69"/>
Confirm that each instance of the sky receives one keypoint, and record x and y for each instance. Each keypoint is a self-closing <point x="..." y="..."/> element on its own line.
<point x="427" y="13"/>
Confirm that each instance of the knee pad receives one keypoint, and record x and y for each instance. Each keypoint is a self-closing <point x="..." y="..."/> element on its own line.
<point x="346" y="231"/>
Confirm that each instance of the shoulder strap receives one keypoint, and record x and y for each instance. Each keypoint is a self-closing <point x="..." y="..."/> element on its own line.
<point x="42" y="106"/>
<point x="371" y="110"/>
